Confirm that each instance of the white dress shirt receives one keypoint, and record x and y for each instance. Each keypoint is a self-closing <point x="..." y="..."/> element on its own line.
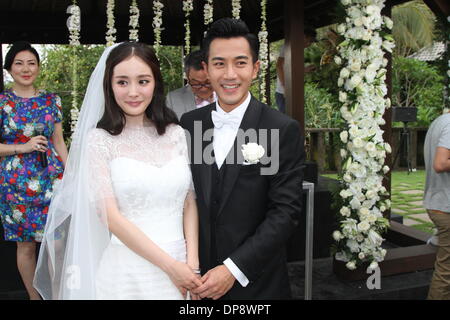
<point x="223" y="141"/>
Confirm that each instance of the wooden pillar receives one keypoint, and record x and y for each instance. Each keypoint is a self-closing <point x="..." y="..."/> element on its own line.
<point x="387" y="128"/>
<point x="294" y="61"/>
<point x="1" y="67"/>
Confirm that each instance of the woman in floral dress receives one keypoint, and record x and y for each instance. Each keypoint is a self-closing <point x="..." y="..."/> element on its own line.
<point x="26" y="184"/>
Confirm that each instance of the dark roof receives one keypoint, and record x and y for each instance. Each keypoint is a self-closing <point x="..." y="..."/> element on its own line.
<point x="44" y="21"/>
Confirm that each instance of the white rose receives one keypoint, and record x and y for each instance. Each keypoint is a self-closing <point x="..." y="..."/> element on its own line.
<point x="363" y="226"/>
<point x="354" y="131"/>
<point x="345" y="194"/>
<point x="370" y="147"/>
<point x="358" y="142"/>
<point x="344" y="136"/>
<point x="374" y="237"/>
<point x="372" y="218"/>
<point x="337" y="235"/>
<point x="353" y="245"/>
<point x="360" y="238"/>
<point x="347" y="178"/>
<point x="364" y="211"/>
<point x="373" y="265"/>
<point x="252" y="152"/>
<point x="387" y="147"/>
<point x="386" y="169"/>
<point x="343" y="153"/>
<point x="344" y="73"/>
<point x="371" y="194"/>
<point x="337" y="60"/>
<point x="358" y="22"/>
<point x="361" y="255"/>
<point x="351" y="265"/>
<point x="355" y="80"/>
<point x="355" y="204"/>
<point x="342" y="96"/>
<point x="341" y="28"/>
<point x="382" y="208"/>
<point x="355" y="65"/>
<point x="388" y="21"/>
<point x="345" y="211"/>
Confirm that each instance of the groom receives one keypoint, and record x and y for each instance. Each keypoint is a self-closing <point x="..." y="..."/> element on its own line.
<point x="247" y="210"/>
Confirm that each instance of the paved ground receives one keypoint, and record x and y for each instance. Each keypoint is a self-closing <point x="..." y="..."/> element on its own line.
<point x="407" y="201"/>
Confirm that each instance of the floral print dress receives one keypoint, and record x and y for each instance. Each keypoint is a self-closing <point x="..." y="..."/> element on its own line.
<point x="26" y="187"/>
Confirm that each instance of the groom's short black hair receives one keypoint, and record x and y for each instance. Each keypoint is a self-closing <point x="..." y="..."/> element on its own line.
<point x="227" y="28"/>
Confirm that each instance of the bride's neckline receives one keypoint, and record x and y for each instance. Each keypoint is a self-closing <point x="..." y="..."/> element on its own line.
<point x="139" y="127"/>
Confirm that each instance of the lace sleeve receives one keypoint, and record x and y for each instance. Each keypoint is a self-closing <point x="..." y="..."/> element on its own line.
<point x="182" y="150"/>
<point x="99" y="155"/>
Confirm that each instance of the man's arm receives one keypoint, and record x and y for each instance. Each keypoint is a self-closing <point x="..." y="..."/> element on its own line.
<point x="441" y="161"/>
<point x="284" y="207"/>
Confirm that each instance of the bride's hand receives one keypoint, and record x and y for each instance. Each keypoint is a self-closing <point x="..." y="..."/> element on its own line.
<point x="183" y="276"/>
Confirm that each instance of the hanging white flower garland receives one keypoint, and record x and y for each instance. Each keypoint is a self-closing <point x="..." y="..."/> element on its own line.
<point x="157" y="24"/>
<point x="362" y="82"/>
<point x="208" y="12"/>
<point x="263" y="51"/>
<point x="236" y="9"/>
<point x="188" y="6"/>
<point x="111" y="31"/>
<point x="134" y="22"/>
<point x="74" y="26"/>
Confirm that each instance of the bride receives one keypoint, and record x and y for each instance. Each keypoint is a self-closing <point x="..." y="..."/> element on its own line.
<point x="123" y="223"/>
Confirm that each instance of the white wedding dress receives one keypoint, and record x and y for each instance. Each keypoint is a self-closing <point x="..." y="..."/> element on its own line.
<point x="148" y="176"/>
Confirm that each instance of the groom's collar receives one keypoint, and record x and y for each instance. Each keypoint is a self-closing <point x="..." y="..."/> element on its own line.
<point x="239" y="110"/>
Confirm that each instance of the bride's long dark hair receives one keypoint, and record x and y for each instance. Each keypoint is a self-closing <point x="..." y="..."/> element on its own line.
<point x="113" y="119"/>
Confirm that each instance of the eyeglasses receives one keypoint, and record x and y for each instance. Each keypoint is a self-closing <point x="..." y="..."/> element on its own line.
<point x="199" y="85"/>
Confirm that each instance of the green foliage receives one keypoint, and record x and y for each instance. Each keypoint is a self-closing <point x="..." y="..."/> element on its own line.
<point x="413" y="27"/>
<point x="416" y="83"/>
<point x="56" y="73"/>
<point x="321" y="110"/>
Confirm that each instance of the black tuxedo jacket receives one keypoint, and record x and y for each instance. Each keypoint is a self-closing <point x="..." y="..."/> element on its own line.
<point x="257" y="213"/>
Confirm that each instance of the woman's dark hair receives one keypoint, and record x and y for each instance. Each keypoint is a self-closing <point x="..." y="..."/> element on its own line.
<point x="17" y="47"/>
<point x="113" y="119"/>
<point x="227" y="28"/>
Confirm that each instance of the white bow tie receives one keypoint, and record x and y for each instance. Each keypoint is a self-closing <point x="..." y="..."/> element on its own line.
<point x="220" y="119"/>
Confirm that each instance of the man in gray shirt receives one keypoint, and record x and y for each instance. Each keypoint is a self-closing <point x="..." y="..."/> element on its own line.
<point x="198" y="92"/>
<point x="437" y="201"/>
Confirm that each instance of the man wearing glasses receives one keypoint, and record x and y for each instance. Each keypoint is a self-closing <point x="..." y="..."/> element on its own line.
<point x="197" y="93"/>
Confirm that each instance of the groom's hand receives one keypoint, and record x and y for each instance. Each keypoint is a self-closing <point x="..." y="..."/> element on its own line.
<point x="216" y="283"/>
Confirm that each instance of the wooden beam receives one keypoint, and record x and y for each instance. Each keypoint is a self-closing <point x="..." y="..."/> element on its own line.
<point x="387" y="127"/>
<point x="439" y="7"/>
<point x="294" y="60"/>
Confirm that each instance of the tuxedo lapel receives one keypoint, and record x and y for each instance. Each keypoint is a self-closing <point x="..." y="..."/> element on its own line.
<point x="206" y="169"/>
<point x="249" y="121"/>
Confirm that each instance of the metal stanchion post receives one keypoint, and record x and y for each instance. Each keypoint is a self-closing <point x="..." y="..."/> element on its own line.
<point x="309" y="238"/>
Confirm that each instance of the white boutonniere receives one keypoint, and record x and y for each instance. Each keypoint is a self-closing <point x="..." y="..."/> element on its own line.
<point x="252" y="153"/>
